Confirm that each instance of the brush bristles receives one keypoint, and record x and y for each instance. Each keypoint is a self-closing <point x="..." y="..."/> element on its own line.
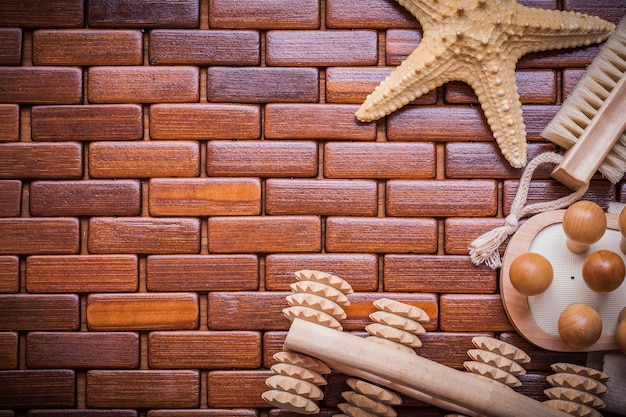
<point x="584" y="101"/>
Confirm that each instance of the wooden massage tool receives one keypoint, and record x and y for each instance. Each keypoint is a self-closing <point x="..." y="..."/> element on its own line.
<point x="386" y="360"/>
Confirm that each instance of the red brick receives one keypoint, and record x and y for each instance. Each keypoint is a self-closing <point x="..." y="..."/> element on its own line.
<point x="441" y="198"/>
<point x="144" y="84"/>
<point x="82" y="350"/>
<point x="367" y="14"/>
<point x="321" y="197"/>
<point x="473" y="313"/>
<point x="10" y="198"/>
<point x="39" y="312"/>
<point x="206" y="350"/>
<point x="262" y="84"/>
<point x="436" y="273"/>
<point x="37" y="388"/>
<point x="9" y="122"/>
<point x="153" y="14"/>
<point x="8" y="350"/>
<point x="281" y="14"/>
<point x="10" y="46"/>
<point x="87" y="122"/>
<point x="380" y="160"/>
<point x="139" y="159"/>
<point x="202" y="273"/>
<point x="316" y="121"/>
<point x="9" y="274"/>
<point x="260" y="234"/>
<point x="460" y="232"/>
<point x="24" y="236"/>
<point x="33" y="13"/>
<point x="381" y="235"/>
<point x="130" y="312"/>
<point x="262" y="158"/>
<point x="237" y="388"/>
<point x="203" y="47"/>
<point x="205" y="197"/>
<point x="81" y="273"/>
<point x="143" y="235"/>
<point x="85" y="47"/>
<point x="359" y="270"/>
<point x="143" y="389"/>
<point x="322" y="48"/>
<point x="205" y="121"/>
<point x="41" y="160"/>
<point x="85" y="198"/>
<point x="41" y="85"/>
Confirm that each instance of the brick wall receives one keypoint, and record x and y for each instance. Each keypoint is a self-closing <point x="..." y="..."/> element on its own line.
<point x="166" y="166"/>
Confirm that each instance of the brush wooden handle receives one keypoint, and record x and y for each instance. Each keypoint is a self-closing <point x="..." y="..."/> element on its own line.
<point x="582" y="160"/>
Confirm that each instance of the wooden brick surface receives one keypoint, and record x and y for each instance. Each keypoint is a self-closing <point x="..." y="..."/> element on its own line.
<point x="82" y="350"/>
<point x="10" y="198"/>
<point x="51" y="235"/>
<point x="370" y="14"/>
<point x="87" y="122"/>
<point x="53" y="388"/>
<point x="81" y="273"/>
<point x="83" y="413"/>
<point x="150" y="14"/>
<point x="8" y="350"/>
<point x="10" y="46"/>
<point x="41" y="85"/>
<point x="247" y="310"/>
<point x="129" y="312"/>
<point x="9" y="122"/>
<point x="49" y="14"/>
<point x="460" y="232"/>
<point x="9" y="274"/>
<point x="39" y="312"/>
<point x="225" y="388"/>
<point x="213" y="412"/>
<point x="41" y="160"/>
<point x="473" y="313"/>
<point x="281" y="14"/>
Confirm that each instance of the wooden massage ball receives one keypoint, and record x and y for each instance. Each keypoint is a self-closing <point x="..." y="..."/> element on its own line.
<point x="620" y="334"/>
<point x="604" y="271"/>
<point x="622" y="228"/>
<point x="580" y="326"/>
<point x="584" y="223"/>
<point x="531" y="273"/>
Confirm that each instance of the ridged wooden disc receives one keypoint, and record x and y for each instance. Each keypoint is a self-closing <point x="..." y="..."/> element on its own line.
<point x="312" y="315"/>
<point x="326" y="278"/>
<point x="496" y="360"/>
<point x="368" y="404"/>
<point x="354" y="411"/>
<point x="574" y="395"/>
<point x="318" y="303"/>
<point x="570" y="368"/>
<point x="299" y="372"/>
<point x="290" y="402"/>
<point x="579" y="382"/>
<point x="304" y="361"/>
<point x="573" y="409"/>
<point x="393" y="334"/>
<point x="399" y="322"/>
<point x="402" y="309"/>
<point x="295" y="386"/>
<point x="501" y="348"/>
<point x="381" y="394"/>
<point x="321" y="289"/>
<point x="492" y="372"/>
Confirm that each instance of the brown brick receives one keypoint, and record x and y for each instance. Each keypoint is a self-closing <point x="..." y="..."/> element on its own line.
<point x="86" y="47"/>
<point x="9" y="274"/>
<point x="237" y="388"/>
<point x="202" y="273"/>
<point x="262" y="84"/>
<point x="322" y="48"/>
<point x="9" y="122"/>
<point x="33" y="13"/>
<point x="205" y="197"/>
<point x="39" y="312"/>
<point x="262" y="158"/>
<point x="87" y="122"/>
<point x="144" y="84"/>
<point x="367" y="14"/>
<point x="41" y="160"/>
<point x="321" y="197"/>
<point x="272" y="343"/>
<point x="442" y="198"/>
<point x="381" y="235"/>
<point x="35" y="236"/>
<point x="206" y="350"/>
<point x="143" y="235"/>
<point x="82" y="350"/>
<point x="473" y="313"/>
<point x="10" y="46"/>
<point x="81" y="273"/>
<point x="399" y="43"/>
<point x="436" y="273"/>
<point x="144" y="159"/>
<point x="231" y="412"/>
<point x="10" y="198"/>
<point x="204" y="47"/>
<point x="570" y="78"/>
<point x="359" y="270"/>
<point x="8" y="350"/>
<point x="560" y="58"/>
<point x="85" y="198"/>
<point x="41" y="85"/>
<point x="380" y="160"/>
<point x="536" y="117"/>
<point x="247" y="311"/>
<point x="542" y="359"/>
<point x="282" y="14"/>
<point x="316" y="121"/>
<point x="152" y="14"/>
<point x="82" y="413"/>
<point x="460" y="232"/>
<point x="37" y="388"/>
<point x="612" y="11"/>
<point x="143" y="389"/>
<point x="129" y="312"/>
<point x="448" y="349"/>
<point x="264" y="234"/>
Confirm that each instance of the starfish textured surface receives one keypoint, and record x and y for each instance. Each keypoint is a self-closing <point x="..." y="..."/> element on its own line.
<point x="479" y="42"/>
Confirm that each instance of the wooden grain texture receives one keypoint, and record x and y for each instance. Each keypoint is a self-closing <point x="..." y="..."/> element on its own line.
<point x="541" y="359"/>
<point x="226" y="388"/>
<point x="9" y="274"/>
<point x="10" y="46"/>
<point x="142" y="311"/>
<point x="206" y="350"/>
<point x="49" y="14"/>
<point x="247" y="310"/>
<point x="201" y="47"/>
<point x="149" y="14"/>
<point x="39" y="312"/>
<point x="87" y="122"/>
<point x="370" y="14"/>
<point x="214" y="412"/>
<point x="41" y="85"/>
<point x="81" y="273"/>
<point x="41" y="160"/>
<point x="202" y="272"/>
<point x="82" y="350"/>
<point x="8" y="350"/>
<point x="473" y="313"/>
<point x="46" y="235"/>
<point x="53" y="388"/>
<point x="460" y="232"/>
<point x="82" y="413"/>
<point x="9" y="122"/>
<point x="281" y="14"/>
<point x="10" y="198"/>
<point x="399" y="43"/>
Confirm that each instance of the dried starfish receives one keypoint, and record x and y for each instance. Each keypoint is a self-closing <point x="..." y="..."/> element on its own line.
<point x="479" y="42"/>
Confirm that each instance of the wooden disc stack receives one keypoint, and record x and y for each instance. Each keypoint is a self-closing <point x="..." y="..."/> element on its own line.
<point x="576" y="390"/>
<point x="497" y="360"/>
